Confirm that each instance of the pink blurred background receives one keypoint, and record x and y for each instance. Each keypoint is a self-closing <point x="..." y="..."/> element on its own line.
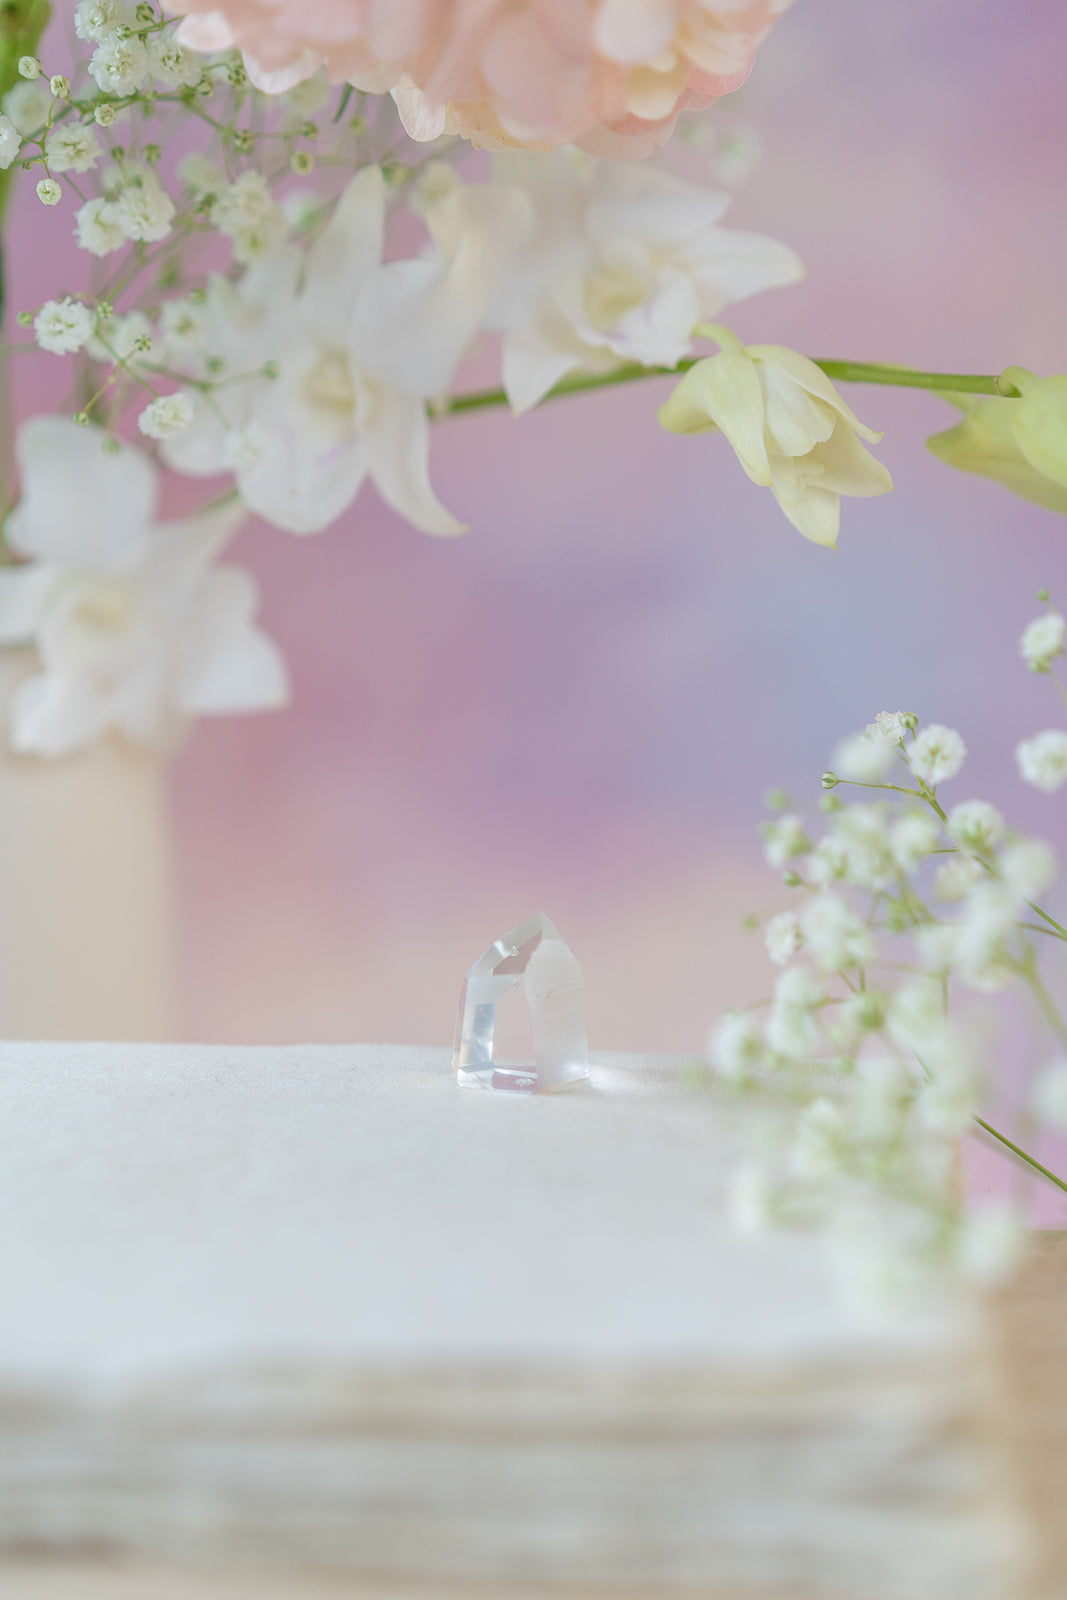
<point x="579" y="706"/>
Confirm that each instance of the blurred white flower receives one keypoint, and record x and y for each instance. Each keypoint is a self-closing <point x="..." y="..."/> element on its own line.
<point x="1042" y="641"/>
<point x="98" y="227"/>
<point x="991" y="1241"/>
<point x="839" y="938"/>
<point x="26" y="106"/>
<point x="120" y="64"/>
<point x="951" y="1097"/>
<point x="10" y="142"/>
<point x="63" y="327"/>
<point x="1049" y="1096"/>
<point x="891" y="725"/>
<point x="358" y="348"/>
<point x="915" y="1012"/>
<point x="170" y="63"/>
<point x="783" y="840"/>
<point x="976" y="825"/>
<point x="783" y="937"/>
<point x="135" y="629"/>
<point x="914" y="838"/>
<point x="1028" y="867"/>
<point x="937" y="754"/>
<point x="864" y="758"/>
<point x="821" y="1147"/>
<point x="792" y="1026"/>
<point x="620" y="264"/>
<point x="144" y="210"/>
<point x="99" y="19"/>
<point x="1043" y="760"/>
<point x="735" y="1046"/>
<point x="957" y="877"/>
<point x="247" y="213"/>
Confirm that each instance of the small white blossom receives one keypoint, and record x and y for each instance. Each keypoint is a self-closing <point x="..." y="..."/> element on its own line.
<point x="989" y="915"/>
<point x="144" y="210"/>
<point x="863" y="836"/>
<point x="26" y="105"/>
<point x="184" y="325"/>
<point x="171" y="64"/>
<point x="1028" y="867"/>
<point x="99" y="229"/>
<point x="63" y="326"/>
<point x="1042" y="641"/>
<point x="72" y="149"/>
<point x="166" y="416"/>
<point x="49" y="192"/>
<point x="1049" y="1097"/>
<point x="914" y="837"/>
<point x="200" y="175"/>
<point x="821" y="1148"/>
<point x="882" y="1092"/>
<point x="938" y="754"/>
<point x="120" y="66"/>
<point x="98" y="19"/>
<point x="783" y="938"/>
<point x="837" y="935"/>
<point x="828" y="862"/>
<point x="1043" y="760"/>
<point x="891" y="725"/>
<point x="247" y="213"/>
<point x="946" y="1104"/>
<point x="783" y="840"/>
<point x="937" y="944"/>
<point x="915" y="1012"/>
<point x="792" y="1027"/>
<point x="864" y="759"/>
<point x="735" y="1046"/>
<point x="957" y="877"/>
<point x="122" y="338"/>
<point x="976" y="825"/>
<point x="105" y="116"/>
<point x="10" y="142"/>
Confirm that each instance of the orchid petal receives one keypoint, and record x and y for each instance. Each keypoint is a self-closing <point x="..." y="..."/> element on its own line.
<point x="80" y="505"/>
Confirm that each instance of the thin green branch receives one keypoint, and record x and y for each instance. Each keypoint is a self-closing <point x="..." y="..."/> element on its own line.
<point x="1017" y="1150"/>
<point x="843" y="371"/>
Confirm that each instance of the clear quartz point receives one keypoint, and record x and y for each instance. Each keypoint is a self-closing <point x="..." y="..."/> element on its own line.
<point x="534" y="956"/>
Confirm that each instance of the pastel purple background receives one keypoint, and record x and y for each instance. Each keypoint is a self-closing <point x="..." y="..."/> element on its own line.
<point x="579" y="706"/>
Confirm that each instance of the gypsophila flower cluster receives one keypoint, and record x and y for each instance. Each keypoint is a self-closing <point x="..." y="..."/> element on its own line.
<point x="905" y="914"/>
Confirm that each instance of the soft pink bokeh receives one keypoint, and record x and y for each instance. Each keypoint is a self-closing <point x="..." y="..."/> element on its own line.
<point x="579" y="706"/>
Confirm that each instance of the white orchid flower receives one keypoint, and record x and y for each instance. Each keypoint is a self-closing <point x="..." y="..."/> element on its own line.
<point x="359" y="348"/>
<point x="621" y="263"/>
<point x="135" y="629"/>
<point x="791" y="429"/>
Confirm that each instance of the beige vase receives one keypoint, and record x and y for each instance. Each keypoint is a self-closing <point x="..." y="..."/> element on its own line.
<point x="86" y="893"/>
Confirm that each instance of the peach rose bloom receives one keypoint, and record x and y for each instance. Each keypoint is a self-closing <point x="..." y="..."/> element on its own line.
<point x="610" y="76"/>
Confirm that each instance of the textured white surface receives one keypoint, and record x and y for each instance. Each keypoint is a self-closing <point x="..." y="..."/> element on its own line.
<point x="165" y="1207"/>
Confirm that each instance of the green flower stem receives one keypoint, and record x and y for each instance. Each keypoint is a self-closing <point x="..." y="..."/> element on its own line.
<point x="1015" y="1149"/>
<point x="843" y="371"/>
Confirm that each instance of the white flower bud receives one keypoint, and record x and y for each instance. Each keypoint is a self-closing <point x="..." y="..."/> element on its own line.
<point x="60" y="86"/>
<point x="29" y="68"/>
<point x="49" y="192"/>
<point x="1043" y="760"/>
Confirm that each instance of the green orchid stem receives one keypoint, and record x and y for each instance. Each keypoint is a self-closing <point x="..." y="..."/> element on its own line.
<point x="843" y="371"/>
<point x="1015" y="1150"/>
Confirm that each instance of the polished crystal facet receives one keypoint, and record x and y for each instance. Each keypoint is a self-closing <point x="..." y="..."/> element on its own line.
<point x="535" y="957"/>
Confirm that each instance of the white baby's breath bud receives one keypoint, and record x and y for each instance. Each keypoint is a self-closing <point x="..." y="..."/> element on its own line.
<point x="1028" y="868"/>
<point x="49" y="192"/>
<point x="60" y="86"/>
<point x="10" y="142"/>
<point x="864" y="759"/>
<point x="735" y="1046"/>
<point x="98" y="228"/>
<point x="836" y="934"/>
<point x="1043" y="760"/>
<point x="913" y="839"/>
<point x="783" y="840"/>
<point x="168" y="415"/>
<point x="72" y="149"/>
<point x="29" y="68"/>
<point x="97" y="19"/>
<point x="1042" y="641"/>
<point x="301" y="162"/>
<point x="63" y="326"/>
<point x="783" y="937"/>
<point x="938" y="754"/>
<point x="1049" y="1097"/>
<point x="105" y="116"/>
<point x="976" y="825"/>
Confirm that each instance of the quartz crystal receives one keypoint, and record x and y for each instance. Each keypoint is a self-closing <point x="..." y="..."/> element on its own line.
<point x="534" y="956"/>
